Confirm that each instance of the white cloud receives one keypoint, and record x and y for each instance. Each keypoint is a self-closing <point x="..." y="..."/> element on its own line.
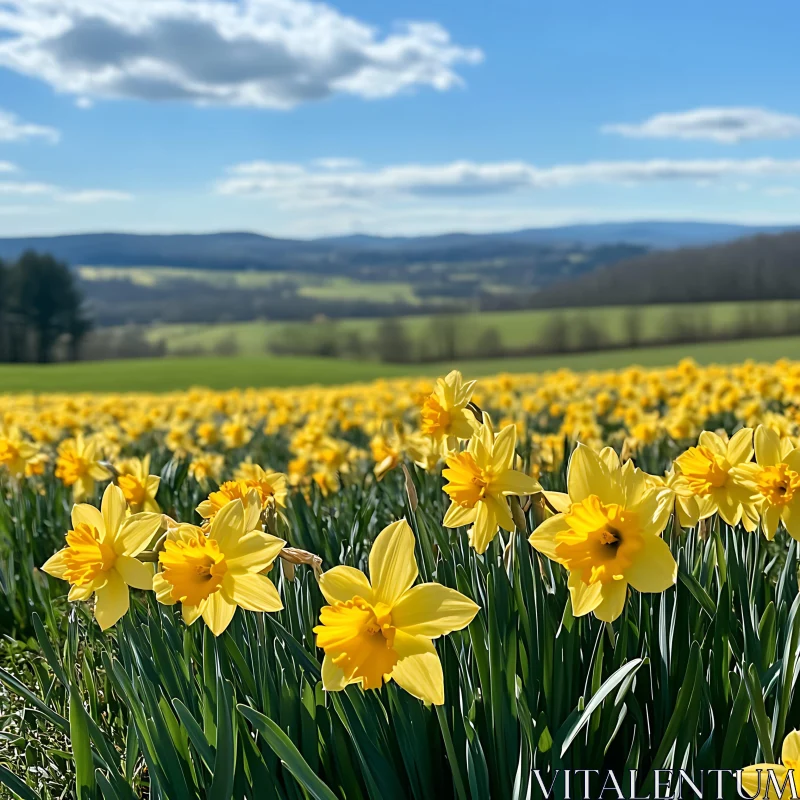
<point x="723" y="125"/>
<point x="7" y="166"/>
<point x="95" y="196"/>
<point x="780" y="191"/>
<point x="264" y="53"/>
<point x="25" y="188"/>
<point x="296" y="184"/>
<point x="12" y="129"/>
<point x="337" y="163"/>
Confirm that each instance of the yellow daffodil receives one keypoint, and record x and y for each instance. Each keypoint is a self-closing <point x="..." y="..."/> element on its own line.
<point x="445" y="416"/>
<point x="269" y="486"/>
<point x="235" y="432"/>
<point x="77" y="466"/>
<point x="708" y="470"/>
<point x="479" y="481"/>
<point x="774" y="482"/>
<point x="138" y="485"/>
<point x="207" y="467"/>
<point x="100" y="556"/>
<point x="759" y="781"/>
<point x="15" y="451"/>
<point x="607" y="534"/>
<point x="210" y="575"/>
<point x="383" y="629"/>
<point x="686" y="506"/>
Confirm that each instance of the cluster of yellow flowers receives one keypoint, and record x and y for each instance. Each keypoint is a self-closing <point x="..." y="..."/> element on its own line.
<point x="606" y="530"/>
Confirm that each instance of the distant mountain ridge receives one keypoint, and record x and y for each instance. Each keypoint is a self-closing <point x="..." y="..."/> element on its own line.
<point x="242" y="250"/>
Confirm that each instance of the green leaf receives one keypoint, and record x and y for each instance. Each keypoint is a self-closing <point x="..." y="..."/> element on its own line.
<point x="289" y="755"/>
<point x="17" y="786"/>
<point x="698" y="592"/>
<point x="81" y="746"/>
<point x="619" y="677"/>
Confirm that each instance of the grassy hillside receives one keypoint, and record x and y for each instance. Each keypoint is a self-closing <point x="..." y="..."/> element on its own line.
<point x="223" y="373"/>
<point x="516" y="330"/>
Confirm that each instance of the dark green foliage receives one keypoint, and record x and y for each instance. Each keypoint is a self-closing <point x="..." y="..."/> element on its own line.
<point x="701" y="676"/>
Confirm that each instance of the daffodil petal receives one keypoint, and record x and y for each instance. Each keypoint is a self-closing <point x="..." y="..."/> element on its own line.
<point x="254" y="552"/>
<point x="192" y="613"/>
<point x="613" y="594"/>
<point x="543" y="538"/>
<point x="790" y="753"/>
<point x="503" y="449"/>
<point x="713" y="442"/>
<point x="253" y="592"/>
<point x="218" y="612"/>
<point x="77" y="593"/>
<point x="56" y="564"/>
<point x="756" y="780"/>
<point x="419" y="670"/>
<point x="340" y="584"/>
<point x="767" y="446"/>
<point x="252" y="513"/>
<point x="588" y="475"/>
<point x="514" y="482"/>
<point x="654" y="568"/>
<point x="610" y="457"/>
<point x="432" y="610"/>
<point x="333" y="677"/>
<point x="111" y="601"/>
<point x="136" y="533"/>
<point x="457" y="516"/>
<point x="392" y="565"/>
<point x="485" y="528"/>
<point x="136" y="574"/>
<point x="163" y="589"/>
<point x="228" y="525"/>
<point x="740" y="447"/>
<point x="560" y="501"/>
<point x="114" y="509"/>
<point x="585" y="598"/>
<point x="84" y="514"/>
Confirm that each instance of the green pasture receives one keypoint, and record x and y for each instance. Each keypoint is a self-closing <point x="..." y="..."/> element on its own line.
<point x="515" y="329"/>
<point x="169" y="374"/>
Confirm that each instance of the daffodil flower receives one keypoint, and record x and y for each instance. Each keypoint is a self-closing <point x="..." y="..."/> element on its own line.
<point x="687" y="507"/>
<point x="15" y="451"/>
<point x="480" y="479"/>
<point x="759" y="781"/>
<point x="210" y="575"/>
<point x="708" y="469"/>
<point x="608" y="534"/>
<point x="383" y="629"/>
<point x="77" y="466"/>
<point x="138" y="485"/>
<point x="269" y="486"/>
<point x="773" y="482"/>
<point x="445" y="416"/>
<point x="100" y="556"/>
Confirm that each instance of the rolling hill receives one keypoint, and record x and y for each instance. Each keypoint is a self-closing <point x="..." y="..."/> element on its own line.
<point x="764" y="267"/>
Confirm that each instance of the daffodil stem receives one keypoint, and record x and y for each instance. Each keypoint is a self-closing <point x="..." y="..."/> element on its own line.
<point x="151" y="556"/>
<point x="451" y="753"/>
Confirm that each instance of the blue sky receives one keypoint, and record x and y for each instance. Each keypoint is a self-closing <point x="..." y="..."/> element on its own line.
<point x="300" y="119"/>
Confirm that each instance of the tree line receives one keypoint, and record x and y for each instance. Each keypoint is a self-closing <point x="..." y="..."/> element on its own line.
<point x="41" y="310"/>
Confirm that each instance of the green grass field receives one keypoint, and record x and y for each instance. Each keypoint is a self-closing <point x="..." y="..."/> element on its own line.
<point x="169" y="374"/>
<point x="517" y="329"/>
